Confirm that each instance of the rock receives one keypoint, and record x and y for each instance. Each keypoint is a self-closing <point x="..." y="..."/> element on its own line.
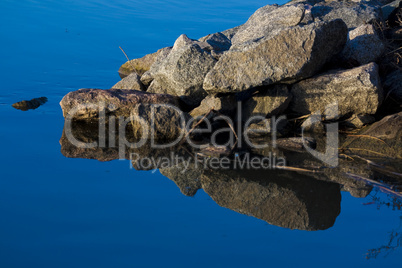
<point x="132" y="81"/>
<point x="354" y="91"/>
<point x="296" y="203"/>
<point x="268" y="20"/>
<point x="393" y="86"/>
<point x="290" y="55"/>
<point x="363" y="46"/>
<point x="229" y="33"/>
<point x="158" y="121"/>
<point x="141" y="65"/>
<point x="266" y="128"/>
<point x="267" y="102"/>
<point x="148" y="76"/>
<point x="225" y="105"/>
<point x="30" y="105"/>
<point x="313" y="124"/>
<point x="388" y="9"/>
<point x="383" y="138"/>
<point x="182" y="72"/>
<point x="217" y="42"/>
<point x="353" y="14"/>
<point x="296" y="143"/>
<point x="358" y="121"/>
<point x="89" y="103"/>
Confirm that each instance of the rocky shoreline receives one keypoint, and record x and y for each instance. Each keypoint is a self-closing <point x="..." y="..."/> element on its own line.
<point x="311" y="63"/>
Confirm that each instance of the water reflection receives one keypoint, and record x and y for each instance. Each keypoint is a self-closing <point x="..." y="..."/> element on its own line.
<point x="307" y="198"/>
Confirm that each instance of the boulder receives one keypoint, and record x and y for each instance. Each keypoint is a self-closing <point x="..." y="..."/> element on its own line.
<point x="265" y="127"/>
<point x="132" y="81"/>
<point x="354" y="91"/>
<point x="267" y="21"/>
<point x="267" y="102"/>
<point x="89" y="103"/>
<point x="292" y="54"/>
<point x="352" y="13"/>
<point x="383" y="138"/>
<point x="148" y="76"/>
<point x="388" y="9"/>
<point x="182" y="72"/>
<point x="363" y="46"/>
<point x="225" y="105"/>
<point x="141" y="65"/>
<point x="161" y="122"/>
<point x="358" y="121"/>
<point x="229" y="33"/>
<point x="313" y="124"/>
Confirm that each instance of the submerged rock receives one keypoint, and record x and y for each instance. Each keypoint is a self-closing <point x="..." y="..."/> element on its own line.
<point x="30" y="105"/>
<point x="354" y="91"/>
<point x="225" y="105"/>
<point x="292" y="54"/>
<point x="89" y="103"/>
<point x="132" y="81"/>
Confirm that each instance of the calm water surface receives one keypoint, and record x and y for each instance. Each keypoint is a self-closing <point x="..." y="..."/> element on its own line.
<point x="64" y="212"/>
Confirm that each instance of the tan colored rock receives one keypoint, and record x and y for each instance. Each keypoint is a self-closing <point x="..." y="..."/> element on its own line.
<point x="132" y="81"/>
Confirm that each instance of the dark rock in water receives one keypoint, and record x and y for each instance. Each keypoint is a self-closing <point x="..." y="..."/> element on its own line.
<point x="89" y="103"/>
<point x="352" y="13"/>
<point x="358" y="121"/>
<point x="381" y="139"/>
<point x="141" y="65"/>
<point x="290" y="55"/>
<point x="225" y="105"/>
<point x="132" y="81"/>
<point x="182" y="72"/>
<point x="296" y="143"/>
<point x="267" y="102"/>
<point x="297" y="203"/>
<point x="363" y="46"/>
<point x="353" y="91"/>
<point x="30" y="105"/>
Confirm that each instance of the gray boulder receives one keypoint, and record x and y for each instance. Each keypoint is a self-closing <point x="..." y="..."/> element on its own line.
<point x="141" y="65"/>
<point x="229" y="33"/>
<point x="182" y="72"/>
<point x="354" y="91"/>
<point x="148" y="76"/>
<point x="352" y="13"/>
<point x="292" y="54"/>
<point x="158" y="121"/>
<point x="89" y="103"/>
<point x="266" y="103"/>
<point x="363" y="46"/>
<point x="132" y="81"/>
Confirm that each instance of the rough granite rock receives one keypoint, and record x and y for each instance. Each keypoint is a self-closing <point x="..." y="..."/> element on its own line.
<point x="132" y="81"/>
<point x="292" y="54"/>
<point x="267" y="102"/>
<point x="89" y="103"/>
<point x="229" y="33"/>
<point x="354" y="91"/>
<point x="225" y="105"/>
<point x="148" y="76"/>
<point x="353" y="14"/>
<point x="268" y="20"/>
<point x="141" y="65"/>
<point x="363" y="46"/>
<point x="296" y="203"/>
<point x="182" y="72"/>
<point x="158" y="121"/>
<point x="217" y="42"/>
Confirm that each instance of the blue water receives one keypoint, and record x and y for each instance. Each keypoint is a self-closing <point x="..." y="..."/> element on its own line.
<point x="62" y="212"/>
